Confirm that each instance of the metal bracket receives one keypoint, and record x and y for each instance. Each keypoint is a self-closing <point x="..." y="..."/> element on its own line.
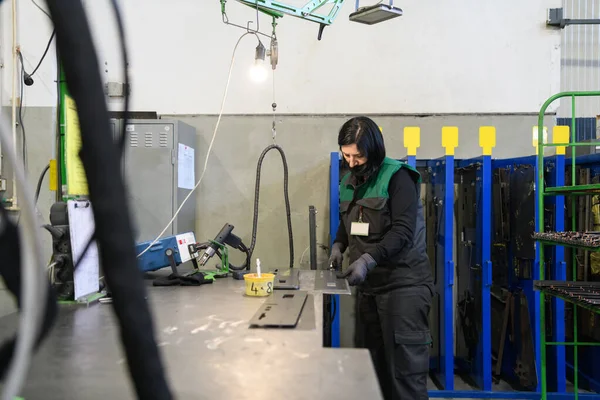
<point x="307" y="12"/>
<point x="556" y="19"/>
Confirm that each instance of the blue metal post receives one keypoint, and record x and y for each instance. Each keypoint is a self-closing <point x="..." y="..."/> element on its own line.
<point x="560" y="273"/>
<point x="486" y="260"/>
<point x="448" y="302"/>
<point x="334" y="222"/>
<point x="412" y="161"/>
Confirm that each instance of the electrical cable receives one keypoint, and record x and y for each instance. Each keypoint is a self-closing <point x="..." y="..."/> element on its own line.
<point x="39" y="183"/>
<point x="20" y="110"/>
<point x="209" y="147"/>
<point x="114" y="233"/>
<point x="41" y="9"/>
<point x="125" y="61"/>
<point x="41" y="59"/>
<point x="32" y="285"/>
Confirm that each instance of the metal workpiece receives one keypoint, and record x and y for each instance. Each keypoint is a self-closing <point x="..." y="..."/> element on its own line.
<point x="584" y="294"/>
<point x="281" y="310"/>
<point x="589" y="240"/>
<point x="326" y="281"/>
<point x="208" y="348"/>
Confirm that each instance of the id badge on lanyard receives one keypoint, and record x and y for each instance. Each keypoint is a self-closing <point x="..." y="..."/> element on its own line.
<point x="359" y="228"/>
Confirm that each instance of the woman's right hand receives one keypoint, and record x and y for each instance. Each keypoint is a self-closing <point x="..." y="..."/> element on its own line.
<point x="336" y="258"/>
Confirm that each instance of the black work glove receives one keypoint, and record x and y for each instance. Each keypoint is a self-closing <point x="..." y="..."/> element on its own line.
<point x="336" y="257"/>
<point x="357" y="271"/>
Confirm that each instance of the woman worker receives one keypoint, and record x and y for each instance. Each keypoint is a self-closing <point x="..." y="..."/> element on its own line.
<point x="383" y="228"/>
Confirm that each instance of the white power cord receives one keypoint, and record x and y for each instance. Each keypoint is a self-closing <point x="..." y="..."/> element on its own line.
<point x="33" y="276"/>
<point x="209" y="147"/>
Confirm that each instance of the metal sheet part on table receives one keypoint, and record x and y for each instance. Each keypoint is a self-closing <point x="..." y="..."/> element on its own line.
<point x="282" y="309"/>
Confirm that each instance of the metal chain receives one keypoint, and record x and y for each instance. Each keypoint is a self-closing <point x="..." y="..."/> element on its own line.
<point x="274" y="105"/>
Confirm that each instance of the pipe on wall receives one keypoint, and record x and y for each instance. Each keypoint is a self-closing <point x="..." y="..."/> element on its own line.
<point x="14" y="200"/>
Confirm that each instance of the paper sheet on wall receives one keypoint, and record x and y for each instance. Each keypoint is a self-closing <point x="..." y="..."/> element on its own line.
<point x="186" y="170"/>
<point x="76" y="179"/>
<point x="81" y="226"/>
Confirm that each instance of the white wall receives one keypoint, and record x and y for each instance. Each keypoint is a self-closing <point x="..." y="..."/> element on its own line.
<point x="464" y="56"/>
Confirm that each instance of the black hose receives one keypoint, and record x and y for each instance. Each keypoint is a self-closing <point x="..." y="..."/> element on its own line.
<point x="123" y="136"/>
<point x="113" y="231"/>
<point x="287" y="203"/>
<point x="39" y="183"/>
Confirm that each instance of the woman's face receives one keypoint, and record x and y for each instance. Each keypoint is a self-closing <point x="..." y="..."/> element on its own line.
<point x="352" y="156"/>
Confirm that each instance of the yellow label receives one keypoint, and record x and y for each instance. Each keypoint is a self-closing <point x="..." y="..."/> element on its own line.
<point x="53" y="184"/>
<point x="76" y="179"/>
<point x="450" y="139"/>
<point x="535" y="135"/>
<point x="560" y="135"/>
<point x="487" y="139"/>
<point x="412" y="139"/>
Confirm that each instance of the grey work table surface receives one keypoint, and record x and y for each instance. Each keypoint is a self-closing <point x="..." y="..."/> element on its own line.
<point x="207" y="348"/>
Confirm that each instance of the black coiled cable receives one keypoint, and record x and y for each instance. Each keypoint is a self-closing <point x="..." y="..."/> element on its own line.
<point x="287" y="202"/>
<point x="101" y="160"/>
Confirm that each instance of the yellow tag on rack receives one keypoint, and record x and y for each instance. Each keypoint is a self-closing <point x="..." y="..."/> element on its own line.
<point x="560" y="135"/>
<point x="412" y="139"/>
<point x="487" y="139"/>
<point x="450" y="139"/>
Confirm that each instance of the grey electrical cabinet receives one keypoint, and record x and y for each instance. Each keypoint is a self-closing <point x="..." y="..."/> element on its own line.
<point x="160" y="166"/>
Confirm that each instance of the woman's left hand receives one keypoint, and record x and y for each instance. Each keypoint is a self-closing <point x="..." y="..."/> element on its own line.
<point x="357" y="271"/>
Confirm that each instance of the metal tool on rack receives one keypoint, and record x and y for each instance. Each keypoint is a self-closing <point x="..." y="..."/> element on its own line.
<point x="585" y="239"/>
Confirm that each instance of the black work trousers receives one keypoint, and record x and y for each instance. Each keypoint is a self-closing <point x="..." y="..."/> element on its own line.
<point x="394" y="326"/>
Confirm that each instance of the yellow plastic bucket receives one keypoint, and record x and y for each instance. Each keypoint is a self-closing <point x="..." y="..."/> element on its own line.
<point x="259" y="287"/>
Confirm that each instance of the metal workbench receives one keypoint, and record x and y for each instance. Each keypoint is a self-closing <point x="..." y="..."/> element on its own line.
<point x="207" y="347"/>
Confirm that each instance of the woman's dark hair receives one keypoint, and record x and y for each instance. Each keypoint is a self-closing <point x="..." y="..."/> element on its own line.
<point x="365" y="133"/>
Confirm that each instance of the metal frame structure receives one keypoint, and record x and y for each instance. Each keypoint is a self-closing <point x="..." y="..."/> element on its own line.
<point x="308" y="12"/>
<point x="542" y="190"/>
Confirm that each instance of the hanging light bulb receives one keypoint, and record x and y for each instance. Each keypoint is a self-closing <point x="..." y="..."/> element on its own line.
<point x="258" y="72"/>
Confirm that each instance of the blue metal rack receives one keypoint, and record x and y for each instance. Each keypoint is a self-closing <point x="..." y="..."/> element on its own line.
<point x="444" y="182"/>
<point x="334" y="222"/>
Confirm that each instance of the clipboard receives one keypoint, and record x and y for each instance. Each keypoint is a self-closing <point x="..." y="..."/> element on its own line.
<point x="81" y="227"/>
